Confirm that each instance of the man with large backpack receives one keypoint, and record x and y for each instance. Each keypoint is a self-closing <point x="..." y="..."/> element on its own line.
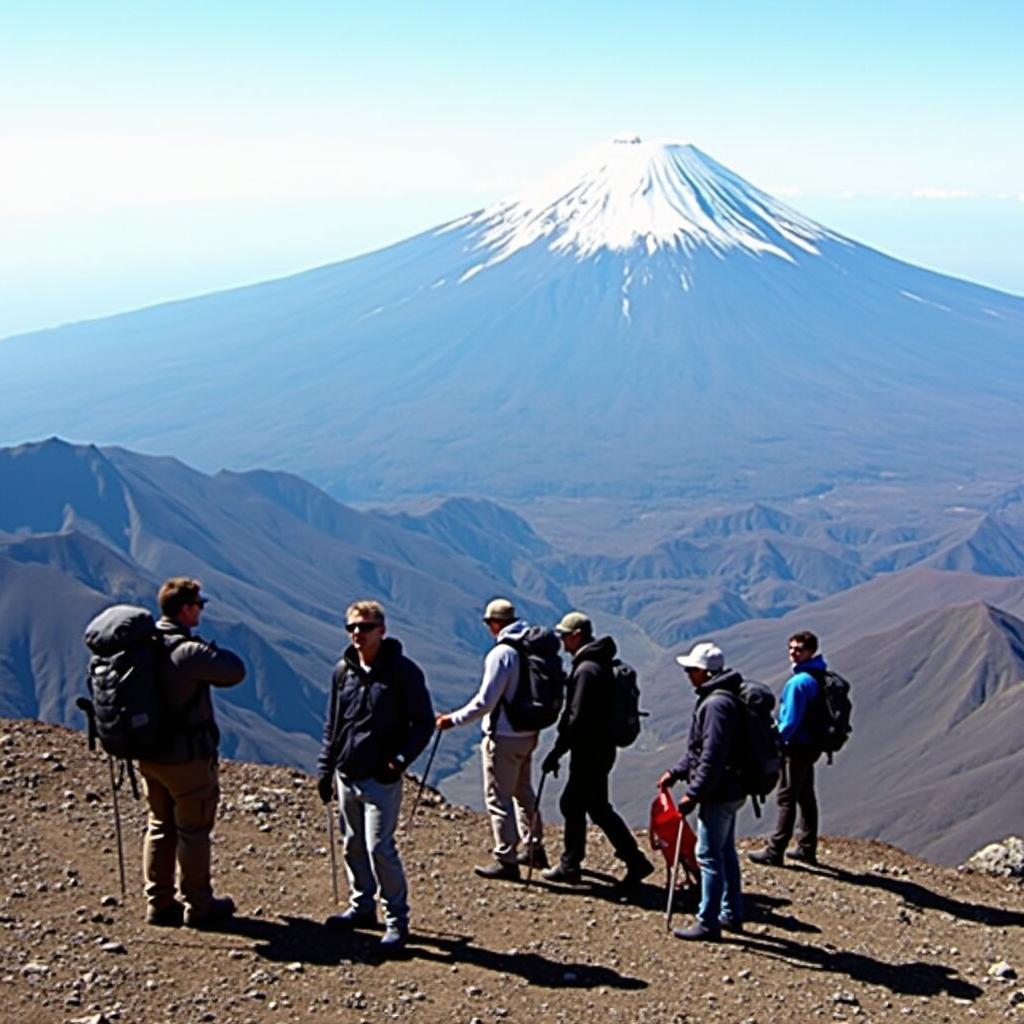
<point x="799" y="719"/>
<point x="586" y="731"/>
<point x="715" y="787"/>
<point x="507" y="747"/>
<point x="181" y="784"/>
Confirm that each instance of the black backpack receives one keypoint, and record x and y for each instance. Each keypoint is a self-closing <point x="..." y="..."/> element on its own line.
<point x="537" y="702"/>
<point x="760" y="755"/>
<point x="831" y="712"/>
<point x="624" y="711"/>
<point x="128" y="712"/>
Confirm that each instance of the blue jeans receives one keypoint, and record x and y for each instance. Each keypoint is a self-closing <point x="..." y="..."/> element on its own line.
<point x="720" y="893"/>
<point x="369" y="816"/>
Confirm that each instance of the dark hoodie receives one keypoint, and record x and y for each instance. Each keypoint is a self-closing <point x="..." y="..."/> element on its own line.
<point x="375" y="716"/>
<point x="584" y="727"/>
<point x="715" y="733"/>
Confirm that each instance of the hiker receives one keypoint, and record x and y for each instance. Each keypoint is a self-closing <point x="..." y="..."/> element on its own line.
<point x="797" y="803"/>
<point x="506" y="753"/>
<point x="714" y="788"/>
<point x="379" y="719"/>
<point x="585" y="733"/>
<point x="181" y="786"/>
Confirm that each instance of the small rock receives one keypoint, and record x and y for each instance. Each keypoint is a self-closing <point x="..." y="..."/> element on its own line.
<point x="1017" y="998"/>
<point x="113" y="947"/>
<point x="34" y="968"/>
<point x="109" y="901"/>
<point x="296" y="967"/>
<point x="1004" y="860"/>
<point x="1002" y="970"/>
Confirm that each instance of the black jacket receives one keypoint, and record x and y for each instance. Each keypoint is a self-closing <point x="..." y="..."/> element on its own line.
<point x="584" y="725"/>
<point x="375" y="716"/>
<point x="710" y="765"/>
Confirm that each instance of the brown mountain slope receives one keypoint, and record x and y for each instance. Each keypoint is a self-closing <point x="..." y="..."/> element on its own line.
<point x="873" y="935"/>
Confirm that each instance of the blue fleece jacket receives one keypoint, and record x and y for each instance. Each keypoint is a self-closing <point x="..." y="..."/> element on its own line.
<point x="797" y="695"/>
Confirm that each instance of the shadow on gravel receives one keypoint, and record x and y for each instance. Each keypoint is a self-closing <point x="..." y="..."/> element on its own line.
<point x="597" y="885"/>
<point x="299" y="939"/>
<point x="536" y="969"/>
<point x="919" y="896"/>
<point x="918" y="978"/>
<point x="762" y="909"/>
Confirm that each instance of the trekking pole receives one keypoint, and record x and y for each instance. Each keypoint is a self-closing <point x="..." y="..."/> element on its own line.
<point x="423" y="778"/>
<point x="533" y="829"/>
<point x="117" y="826"/>
<point x="670" y="905"/>
<point x="330" y="845"/>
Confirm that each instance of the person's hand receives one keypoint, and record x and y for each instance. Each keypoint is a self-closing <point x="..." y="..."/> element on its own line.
<point x="666" y="780"/>
<point x="550" y="763"/>
<point x="325" y="787"/>
<point x="444" y="722"/>
<point x="686" y="805"/>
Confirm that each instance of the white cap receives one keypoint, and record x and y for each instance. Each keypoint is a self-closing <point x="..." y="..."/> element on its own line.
<point x="707" y="656"/>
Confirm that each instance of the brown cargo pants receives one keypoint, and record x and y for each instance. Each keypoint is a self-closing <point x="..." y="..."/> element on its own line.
<point x="182" y="801"/>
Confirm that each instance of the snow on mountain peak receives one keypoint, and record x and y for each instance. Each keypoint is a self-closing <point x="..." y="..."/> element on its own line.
<point x="630" y="193"/>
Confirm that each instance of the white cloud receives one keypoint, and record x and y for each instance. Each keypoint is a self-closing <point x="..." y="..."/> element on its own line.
<point x="940" y="193"/>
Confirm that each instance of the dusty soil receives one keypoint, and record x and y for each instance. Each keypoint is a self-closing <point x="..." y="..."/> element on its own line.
<point x="873" y="934"/>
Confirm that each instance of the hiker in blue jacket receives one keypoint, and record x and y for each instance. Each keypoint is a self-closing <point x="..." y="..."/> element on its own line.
<point x="799" y="712"/>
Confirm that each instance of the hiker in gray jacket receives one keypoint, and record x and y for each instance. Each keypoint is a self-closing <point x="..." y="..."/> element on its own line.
<point x="507" y="754"/>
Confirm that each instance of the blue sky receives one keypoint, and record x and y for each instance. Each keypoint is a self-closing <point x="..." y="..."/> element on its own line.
<point x="152" y="151"/>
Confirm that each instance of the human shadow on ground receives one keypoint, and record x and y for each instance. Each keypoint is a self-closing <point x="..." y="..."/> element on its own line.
<point x="917" y="978"/>
<point x="926" y="899"/>
<point x="759" y="908"/>
<point x="299" y="939"/>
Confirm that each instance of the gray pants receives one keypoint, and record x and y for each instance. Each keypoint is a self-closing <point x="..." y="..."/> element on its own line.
<point x="369" y="816"/>
<point x="508" y="793"/>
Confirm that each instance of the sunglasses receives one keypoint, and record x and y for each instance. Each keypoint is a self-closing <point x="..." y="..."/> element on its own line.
<point x="361" y="627"/>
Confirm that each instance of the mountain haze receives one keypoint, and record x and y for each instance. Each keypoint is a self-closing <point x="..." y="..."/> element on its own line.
<point x="645" y="322"/>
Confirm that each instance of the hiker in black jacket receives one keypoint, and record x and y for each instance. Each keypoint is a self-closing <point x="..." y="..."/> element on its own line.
<point x="379" y="719"/>
<point x="583" y="732"/>
<point x="714" y="788"/>
<point x="183" y="784"/>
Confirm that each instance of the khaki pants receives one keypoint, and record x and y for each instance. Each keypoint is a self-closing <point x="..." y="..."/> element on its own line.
<point x="508" y="793"/>
<point x="182" y="802"/>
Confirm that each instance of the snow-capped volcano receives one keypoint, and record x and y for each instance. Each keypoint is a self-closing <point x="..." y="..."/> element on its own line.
<point x="630" y="193"/>
<point x="642" y="322"/>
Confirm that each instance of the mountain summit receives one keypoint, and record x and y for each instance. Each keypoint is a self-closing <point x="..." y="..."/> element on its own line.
<point x="631" y="194"/>
<point x="644" y="323"/>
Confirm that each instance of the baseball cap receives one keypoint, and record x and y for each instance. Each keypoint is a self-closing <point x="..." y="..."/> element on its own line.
<point x="499" y="610"/>
<point x="573" y="621"/>
<point x="706" y="655"/>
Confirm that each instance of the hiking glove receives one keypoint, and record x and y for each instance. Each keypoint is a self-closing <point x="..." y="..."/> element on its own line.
<point x="325" y="787"/>
<point x="550" y="764"/>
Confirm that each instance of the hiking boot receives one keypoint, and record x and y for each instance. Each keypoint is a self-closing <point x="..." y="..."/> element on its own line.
<point x="697" y="933"/>
<point x="730" y="924"/>
<point x="499" y="871"/>
<point x="394" y="939"/>
<point x="351" y="918"/>
<point x="218" y="910"/>
<point x="636" y="871"/>
<point x="803" y="857"/>
<point x="540" y="859"/>
<point x="563" y="874"/>
<point x="170" y="916"/>
<point x="766" y="857"/>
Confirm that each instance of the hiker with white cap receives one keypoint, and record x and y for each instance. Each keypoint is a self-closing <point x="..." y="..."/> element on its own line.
<point x="711" y="772"/>
<point x="506" y="752"/>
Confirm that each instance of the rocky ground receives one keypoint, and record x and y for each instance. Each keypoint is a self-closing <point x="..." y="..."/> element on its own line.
<point x="873" y="934"/>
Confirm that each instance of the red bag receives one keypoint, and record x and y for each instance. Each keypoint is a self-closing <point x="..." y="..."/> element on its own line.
<point x="664" y="832"/>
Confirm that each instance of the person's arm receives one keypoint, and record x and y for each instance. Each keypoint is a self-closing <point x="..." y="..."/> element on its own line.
<point x="325" y="759"/>
<point x="797" y="695"/>
<point x="715" y="743"/>
<point x="421" y="716"/>
<point x="500" y="666"/>
<point x="202" y="661"/>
